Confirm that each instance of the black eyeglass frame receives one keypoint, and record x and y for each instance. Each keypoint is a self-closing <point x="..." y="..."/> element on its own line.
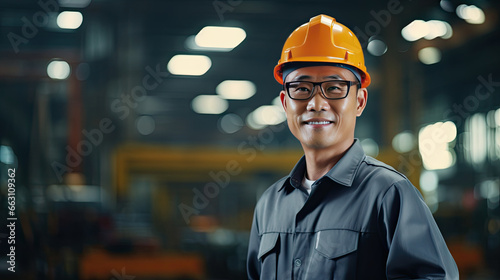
<point x="286" y="87"/>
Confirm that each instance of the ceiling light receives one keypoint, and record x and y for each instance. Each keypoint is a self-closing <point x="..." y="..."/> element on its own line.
<point x="436" y="29"/>
<point x="471" y="14"/>
<point x="209" y="104"/>
<point x="190" y="65"/>
<point x="220" y="37"/>
<point x="233" y="89"/>
<point x="58" y="69"/>
<point x="250" y="121"/>
<point x="415" y="30"/>
<point x="449" y="31"/>
<point x="476" y="142"/>
<point x="268" y="115"/>
<point x="433" y="145"/>
<point x="69" y="20"/>
<point x="429" y="30"/>
<point x="440" y="160"/>
<point x="429" y="55"/>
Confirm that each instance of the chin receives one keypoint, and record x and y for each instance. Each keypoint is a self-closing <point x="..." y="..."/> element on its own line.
<point x="317" y="145"/>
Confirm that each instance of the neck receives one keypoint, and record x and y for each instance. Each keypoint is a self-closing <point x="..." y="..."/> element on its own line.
<point x="320" y="161"/>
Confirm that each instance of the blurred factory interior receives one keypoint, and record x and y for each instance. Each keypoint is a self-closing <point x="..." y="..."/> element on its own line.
<point x="142" y="133"/>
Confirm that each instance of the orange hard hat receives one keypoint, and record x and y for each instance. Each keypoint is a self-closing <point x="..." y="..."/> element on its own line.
<point x="323" y="39"/>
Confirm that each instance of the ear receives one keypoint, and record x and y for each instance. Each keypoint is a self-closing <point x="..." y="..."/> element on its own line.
<point x="283" y="99"/>
<point x="361" y="97"/>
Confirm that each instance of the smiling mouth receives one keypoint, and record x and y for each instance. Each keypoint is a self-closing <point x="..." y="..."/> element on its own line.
<point x="319" y="122"/>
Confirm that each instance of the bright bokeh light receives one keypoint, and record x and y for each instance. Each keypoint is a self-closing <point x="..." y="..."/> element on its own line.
<point x="268" y="115"/>
<point x="439" y="132"/>
<point x="433" y="145"/>
<point x="438" y="28"/>
<point x="69" y="20"/>
<point x="439" y="160"/>
<point x="403" y="142"/>
<point x="277" y="102"/>
<point x="234" y="89"/>
<point x="449" y="31"/>
<point x="497" y="142"/>
<point x="415" y="30"/>
<point x="493" y="131"/>
<point x="189" y="65"/>
<point x="376" y="47"/>
<point x="250" y="121"/>
<point x="490" y="119"/>
<point x="209" y="104"/>
<point x="429" y="181"/>
<point x="58" y="69"/>
<point x="475" y="140"/>
<point x="471" y="14"/>
<point x="497" y="117"/>
<point x="370" y="147"/>
<point x="219" y="37"/>
<point x="429" y="30"/>
<point x="429" y="55"/>
<point x="449" y="129"/>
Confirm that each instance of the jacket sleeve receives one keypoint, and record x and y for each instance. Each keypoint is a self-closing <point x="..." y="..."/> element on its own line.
<point x="416" y="248"/>
<point x="253" y="263"/>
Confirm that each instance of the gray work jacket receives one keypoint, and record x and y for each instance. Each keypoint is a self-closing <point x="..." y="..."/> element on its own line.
<point x="362" y="220"/>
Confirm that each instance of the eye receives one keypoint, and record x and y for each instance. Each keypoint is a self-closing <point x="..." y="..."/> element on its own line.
<point x="335" y="87"/>
<point x="300" y="87"/>
<point x="304" y="89"/>
<point x="332" y="88"/>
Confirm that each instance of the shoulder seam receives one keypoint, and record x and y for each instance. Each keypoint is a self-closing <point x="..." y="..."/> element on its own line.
<point x="385" y="166"/>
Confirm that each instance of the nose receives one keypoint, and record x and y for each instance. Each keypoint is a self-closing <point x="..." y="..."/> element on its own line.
<point x="317" y="102"/>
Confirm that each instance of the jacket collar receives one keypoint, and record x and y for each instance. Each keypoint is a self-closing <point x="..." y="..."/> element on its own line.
<point x="343" y="172"/>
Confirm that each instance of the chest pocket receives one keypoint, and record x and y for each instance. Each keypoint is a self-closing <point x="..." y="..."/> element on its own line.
<point x="268" y="255"/>
<point x="336" y="243"/>
<point x="335" y="254"/>
<point x="268" y="242"/>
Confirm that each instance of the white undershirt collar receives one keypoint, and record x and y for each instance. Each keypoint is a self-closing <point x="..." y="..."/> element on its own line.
<point x="307" y="184"/>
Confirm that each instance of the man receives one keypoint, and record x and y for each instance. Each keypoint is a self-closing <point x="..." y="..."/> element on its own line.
<point x="339" y="214"/>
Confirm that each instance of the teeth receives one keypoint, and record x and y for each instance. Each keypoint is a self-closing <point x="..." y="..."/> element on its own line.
<point x="325" y="122"/>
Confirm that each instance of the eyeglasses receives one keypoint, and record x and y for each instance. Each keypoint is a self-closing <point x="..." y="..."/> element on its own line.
<point x="332" y="90"/>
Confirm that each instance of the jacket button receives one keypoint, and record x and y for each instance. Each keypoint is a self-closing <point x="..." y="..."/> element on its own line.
<point x="298" y="262"/>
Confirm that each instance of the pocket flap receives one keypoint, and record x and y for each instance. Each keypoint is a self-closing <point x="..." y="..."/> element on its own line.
<point x="267" y="243"/>
<point x="336" y="243"/>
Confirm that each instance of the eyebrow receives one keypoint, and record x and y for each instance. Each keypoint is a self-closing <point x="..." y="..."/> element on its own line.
<point x="333" y="77"/>
<point x="306" y="77"/>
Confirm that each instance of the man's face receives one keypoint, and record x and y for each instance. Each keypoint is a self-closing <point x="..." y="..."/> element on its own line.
<point x="319" y="123"/>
